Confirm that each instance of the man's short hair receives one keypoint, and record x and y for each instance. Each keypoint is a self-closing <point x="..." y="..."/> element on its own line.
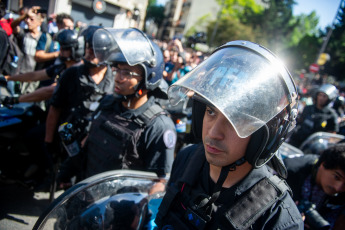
<point x="333" y="157"/>
<point x="60" y="17"/>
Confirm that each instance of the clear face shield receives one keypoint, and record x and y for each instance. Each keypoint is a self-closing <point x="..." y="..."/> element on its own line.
<point x="116" y="45"/>
<point x="246" y="87"/>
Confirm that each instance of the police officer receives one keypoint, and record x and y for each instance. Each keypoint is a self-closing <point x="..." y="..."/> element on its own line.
<point x="319" y="117"/>
<point x="77" y="95"/>
<point x="244" y="105"/>
<point x="130" y="130"/>
<point x="70" y="54"/>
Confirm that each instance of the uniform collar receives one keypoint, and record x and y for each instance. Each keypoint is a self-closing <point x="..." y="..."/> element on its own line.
<point x="197" y="161"/>
<point x="131" y="113"/>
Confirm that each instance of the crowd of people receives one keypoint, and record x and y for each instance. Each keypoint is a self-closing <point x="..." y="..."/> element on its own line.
<point x="100" y="111"/>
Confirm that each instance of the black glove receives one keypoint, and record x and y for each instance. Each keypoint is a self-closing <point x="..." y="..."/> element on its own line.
<point x="52" y="152"/>
<point x="10" y="101"/>
<point x="3" y="81"/>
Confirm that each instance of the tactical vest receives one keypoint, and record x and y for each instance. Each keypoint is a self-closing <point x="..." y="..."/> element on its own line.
<point x="177" y="211"/>
<point x="113" y="140"/>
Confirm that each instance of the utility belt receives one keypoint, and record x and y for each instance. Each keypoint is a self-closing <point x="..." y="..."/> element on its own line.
<point x="241" y="215"/>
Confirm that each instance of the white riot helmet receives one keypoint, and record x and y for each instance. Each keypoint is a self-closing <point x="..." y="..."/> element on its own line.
<point x="252" y="89"/>
<point x="330" y="90"/>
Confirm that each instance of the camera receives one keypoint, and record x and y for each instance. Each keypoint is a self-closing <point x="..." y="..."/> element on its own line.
<point x="312" y="217"/>
<point x="67" y="134"/>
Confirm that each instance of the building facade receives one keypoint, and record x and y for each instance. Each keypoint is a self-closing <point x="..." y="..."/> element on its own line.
<point x="91" y="12"/>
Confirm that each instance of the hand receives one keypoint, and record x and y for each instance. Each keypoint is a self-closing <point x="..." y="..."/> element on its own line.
<point x="51" y="151"/>
<point x="35" y="9"/>
<point x="3" y="81"/>
<point x="10" y="101"/>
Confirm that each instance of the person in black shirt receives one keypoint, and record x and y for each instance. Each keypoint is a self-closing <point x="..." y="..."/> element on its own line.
<point x="318" y="117"/>
<point x="242" y="110"/>
<point x="76" y="97"/>
<point x="320" y="180"/>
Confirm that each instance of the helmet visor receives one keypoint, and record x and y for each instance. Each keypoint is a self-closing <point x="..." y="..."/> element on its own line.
<point x="247" y="88"/>
<point x="116" y="45"/>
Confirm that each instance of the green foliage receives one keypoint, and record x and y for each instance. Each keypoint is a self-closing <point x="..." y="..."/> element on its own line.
<point x="336" y="48"/>
<point x="156" y="13"/>
<point x="236" y="8"/>
<point x="305" y="25"/>
<point x="295" y="38"/>
<point x="199" y="26"/>
<point x="229" y="29"/>
<point x="304" y="53"/>
<point x="275" y="25"/>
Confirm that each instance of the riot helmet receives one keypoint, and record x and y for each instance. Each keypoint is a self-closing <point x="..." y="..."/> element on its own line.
<point x="87" y="36"/>
<point x="330" y="90"/>
<point x="251" y="88"/>
<point x="87" y="33"/>
<point x="132" y="46"/>
<point x="338" y="105"/>
<point x="69" y="39"/>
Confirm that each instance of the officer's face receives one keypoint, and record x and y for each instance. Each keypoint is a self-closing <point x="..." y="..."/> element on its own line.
<point x="322" y="99"/>
<point x="222" y="145"/>
<point x="90" y="55"/>
<point x="332" y="181"/>
<point x="66" y="53"/>
<point x="126" y="78"/>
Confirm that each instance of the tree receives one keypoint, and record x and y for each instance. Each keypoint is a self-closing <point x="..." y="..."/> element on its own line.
<point x="229" y="29"/>
<point x="155" y="13"/>
<point x="228" y="25"/>
<point x="304" y="53"/>
<point x="336" y="47"/>
<point x="275" y="25"/>
<point x="306" y="26"/>
<point x="237" y="8"/>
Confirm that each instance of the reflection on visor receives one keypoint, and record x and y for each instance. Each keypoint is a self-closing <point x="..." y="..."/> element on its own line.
<point x="112" y="44"/>
<point x="241" y="84"/>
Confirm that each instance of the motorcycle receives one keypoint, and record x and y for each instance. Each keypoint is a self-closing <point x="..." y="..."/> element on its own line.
<point x="320" y="141"/>
<point x="288" y="151"/>
<point x="118" y="199"/>
<point x="15" y="121"/>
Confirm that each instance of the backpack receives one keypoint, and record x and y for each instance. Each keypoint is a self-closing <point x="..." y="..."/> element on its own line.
<point x="14" y="56"/>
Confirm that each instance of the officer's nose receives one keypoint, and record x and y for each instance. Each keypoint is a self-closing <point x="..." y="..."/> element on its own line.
<point x="339" y="187"/>
<point x="216" y="129"/>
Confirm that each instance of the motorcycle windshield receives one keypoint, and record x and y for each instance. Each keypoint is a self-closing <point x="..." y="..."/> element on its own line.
<point x="119" y="199"/>
<point x="246" y="87"/>
<point x="109" y="43"/>
<point x="319" y="141"/>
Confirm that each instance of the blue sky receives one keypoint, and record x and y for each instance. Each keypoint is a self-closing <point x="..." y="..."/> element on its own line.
<point x="325" y="9"/>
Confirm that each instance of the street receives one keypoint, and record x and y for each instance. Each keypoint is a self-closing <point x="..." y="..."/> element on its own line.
<point x="21" y="207"/>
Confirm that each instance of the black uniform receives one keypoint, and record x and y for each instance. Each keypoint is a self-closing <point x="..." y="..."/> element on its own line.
<point x="302" y="173"/>
<point x="78" y="95"/>
<point x="314" y="120"/>
<point x="191" y="170"/>
<point x="141" y="139"/>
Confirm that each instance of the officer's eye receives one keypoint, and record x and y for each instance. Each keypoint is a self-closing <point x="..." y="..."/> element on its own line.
<point x="336" y="177"/>
<point x="210" y="111"/>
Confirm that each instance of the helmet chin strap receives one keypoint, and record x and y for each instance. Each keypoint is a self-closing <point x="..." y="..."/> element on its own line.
<point x="90" y="64"/>
<point x="205" y="205"/>
<point x="138" y="92"/>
